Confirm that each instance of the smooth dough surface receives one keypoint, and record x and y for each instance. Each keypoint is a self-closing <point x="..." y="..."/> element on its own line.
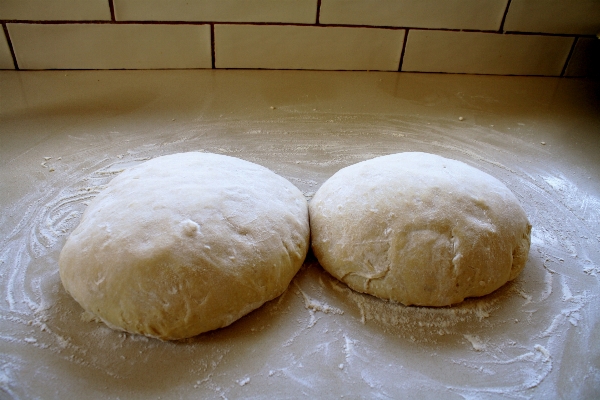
<point x="186" y="243"/>
<point x="419" y="229"/>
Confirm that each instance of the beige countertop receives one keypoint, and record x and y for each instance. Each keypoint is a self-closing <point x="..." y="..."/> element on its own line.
<point x="63" y="135"/>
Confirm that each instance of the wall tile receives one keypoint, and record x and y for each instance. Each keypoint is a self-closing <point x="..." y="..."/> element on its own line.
<point x="485" y="53"/>
<point x="285" y="11"/>
<point x="53" y="10"/>
<point x="306" y="47"/>
<point x="109" y="46"/>
<point x="6" y="61"/>
<point x="585" y="60"/>
<point x="450" y="14"/>
<point x="554" y="16"/>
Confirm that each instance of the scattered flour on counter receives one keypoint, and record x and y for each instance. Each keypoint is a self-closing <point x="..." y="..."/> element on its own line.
<point x="351" y="350"/>
<point x="6" y="382"/>
<point x="572" y="197"/>
<point x="314" y="305"/>
<point x="506" y="358"/>
<point x="524" y="295"/>
<point x="200" y="382"/>
<point x="566" y="291"/>
<point x="547" y="285"/>
<point x="544" y="352"/>
<point x="423" y="324"/>
<point x="244" y="381"/>
<point x="476" y="342"/>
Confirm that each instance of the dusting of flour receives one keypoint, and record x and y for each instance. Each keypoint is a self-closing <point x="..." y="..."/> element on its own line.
<point x="319" y="331"/>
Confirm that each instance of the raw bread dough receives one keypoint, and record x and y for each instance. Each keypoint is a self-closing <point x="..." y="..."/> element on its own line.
<point x="419" y="229"/>
<point x="186" y="243"/>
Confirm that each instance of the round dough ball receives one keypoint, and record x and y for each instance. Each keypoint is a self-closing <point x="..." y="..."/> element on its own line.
<point x="420" y="229"/>
<point x="186" y="243"/>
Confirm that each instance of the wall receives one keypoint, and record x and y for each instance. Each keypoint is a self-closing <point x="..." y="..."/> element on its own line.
<point x="505" y="37"/>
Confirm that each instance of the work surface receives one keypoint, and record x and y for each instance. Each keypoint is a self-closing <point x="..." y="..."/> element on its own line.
<point x="64" y="135"/>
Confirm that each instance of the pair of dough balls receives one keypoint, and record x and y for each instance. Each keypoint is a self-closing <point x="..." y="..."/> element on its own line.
<point x="188" y="243"/>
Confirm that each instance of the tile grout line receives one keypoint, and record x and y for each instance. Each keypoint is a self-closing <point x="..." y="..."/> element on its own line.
<point x="212" y="46"/>
<point x="287" y="69"/>
<point x="403" y="50"/>
<point x="504" y="17"/>
<point x="111" y="5"/>
<point x="132" y="22"/>
<point x="318" y="12"/>
<point x="387" y="27"/>
<point x="568" y="60"/>
<point x="10" y="46"/>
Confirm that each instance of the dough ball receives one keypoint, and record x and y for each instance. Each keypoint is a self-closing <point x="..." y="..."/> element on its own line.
<point x="186" y="243"/>
<point x="419" y="229"/>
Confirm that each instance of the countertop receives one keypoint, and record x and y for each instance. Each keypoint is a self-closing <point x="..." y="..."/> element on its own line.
<point x="65" y="134"/>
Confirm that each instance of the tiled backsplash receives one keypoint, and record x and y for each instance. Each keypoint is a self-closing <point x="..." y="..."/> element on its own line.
<point x="506" y="37"/>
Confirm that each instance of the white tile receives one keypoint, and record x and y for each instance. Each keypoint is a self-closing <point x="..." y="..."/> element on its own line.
<point x="485" y="53"/>
<point x="554" y="16"/>
<point x="54" y="10"/>
<point x="585" y="60"/>
<point x="287" y="11"/>
<point x="6" y="60"/>
<point x="306" y="47"/>
<point x="449" y="14"/>
<point x="110" y="46"/>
